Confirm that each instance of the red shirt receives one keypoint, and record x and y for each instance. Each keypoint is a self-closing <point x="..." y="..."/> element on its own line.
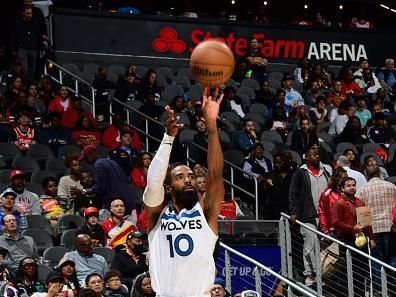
<point x="139" y="178"/>
<point x="55" y="105"/>
<point x="83" y="137"/>
<point x="325" y="210"/>
<point x="142" y="221"/>
<point x="351" y="88"/>
<point x="111" y="138"/>
<point x="71" y="116"/>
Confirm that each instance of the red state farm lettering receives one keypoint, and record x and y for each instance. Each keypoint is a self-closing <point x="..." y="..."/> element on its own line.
<point x="239" y="46"/>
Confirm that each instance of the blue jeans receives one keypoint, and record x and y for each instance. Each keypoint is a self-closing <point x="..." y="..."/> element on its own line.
<point x="382" y="252"/>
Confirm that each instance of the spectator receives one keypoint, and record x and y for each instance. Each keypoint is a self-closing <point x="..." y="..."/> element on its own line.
<point x="353" y="133"/>
<point x="85" y="133"/>
<point x="293" y="98"/>
<point x="301" y="73"/>
<point x="201" y="138"/>
<point x="353" y="160"/>
<point x="328" y="198"/>
<point x="117" y="227"/>
<point x="112" y="135"/>
<point x="83" y="201"/>
<point x="26" y="41"/>
<point x="198" y="169"/>
<point x="336" y="96"/>
<point x="139" y="173"/>
<point x="55" y="136"/>
<point x="177" y="104"/>
<point x="125" y="155"/>
<point x="15" y="87"/>
<point x="229" y="207"/>
<point x="370" y="161"/>
<point x="280" y="101"/>
<point x="148" y="86"/>
<point x="69" y="182"/>
<point x="379" y="196"/>
<point x="34" y="100"/>
<point x="232" y="102"/>
<point x="28" y="202"/>
<point x="359" y="178"/>
<point x="201" y="186"/>
<point x="261" y="168"/>
<point x="319" y="114"/>
<point x="142" y="286"/>
<point x="131" y="261"/>
<point x="320" y="73"/>
<point x="281" y="179"/>
<point x="102" y="86"/>
<point x="92" y="227"/>
<point x="279" y="122"/>
<point x="19" y="106"/>
<point x="54" y="285"/>
<point x="127" y="88"/>
<point x="47" y="89"/>
<point x="86" y="261"/>
<point x="8" y="206"/>
<point x="379" y="132"/>
<point x="23" y="136"/>
<point x="387" y="76"/>
<point x="94" y="281"/>
<point x="244" y="139"/>
<point x="346" y="226"/>
<point x="109" y="180"/>
<point x="114" y="287"/>
<point x="349" y="87"/>
<point x="345" y="111"/>
<point x="303" y="138"/>
<point x="314" y="91"/>
<point x="62" y="102"/>
<point x="72" y="115"/>
<point x="53" y="207"/>
<point x="362" y="112"/>
<point x="256" y="61"/>
<point x="265" y="96"/>
<point x="18" y="246"/>
<point x="307" y="184"/>
<point x="71" y="286"/>
<point x="26" y="278"/>
<point x="365" y="78"/>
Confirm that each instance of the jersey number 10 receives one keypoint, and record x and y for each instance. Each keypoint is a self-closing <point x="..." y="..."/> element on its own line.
<point x="174" y="246"/>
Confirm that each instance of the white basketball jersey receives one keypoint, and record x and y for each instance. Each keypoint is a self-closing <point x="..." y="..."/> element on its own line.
<point x="181" y="253"/>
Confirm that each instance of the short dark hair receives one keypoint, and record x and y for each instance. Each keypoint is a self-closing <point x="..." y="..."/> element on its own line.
<point x="320" y="98"/>
<point x="168" y="177"/>
<point x="345" y="180"/>
<point x="70" y="159"/>
<point x="47" y="180"/>
<point x="3" y="220"/>
<point x="373" y="171"/>
<point x="244" y="121"/>
<point x="111" y="273"/>
<point x="92" y="275"/>
<point x="368" y="157"/>
<point x="278" y="91"/>
<point x="53" y="115"/>
<point x="86" y="292"/>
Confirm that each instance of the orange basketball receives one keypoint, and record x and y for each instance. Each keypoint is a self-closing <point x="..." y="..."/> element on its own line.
<point x="212" y="63"/>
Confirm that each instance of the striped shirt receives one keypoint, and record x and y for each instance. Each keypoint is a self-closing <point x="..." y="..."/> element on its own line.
<point x="379" y="196"/>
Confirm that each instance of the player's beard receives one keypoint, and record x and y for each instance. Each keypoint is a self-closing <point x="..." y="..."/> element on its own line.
<point x="186" y="199"/>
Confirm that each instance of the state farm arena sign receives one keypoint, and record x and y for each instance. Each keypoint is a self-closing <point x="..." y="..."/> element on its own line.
<point x="176" y="39"/>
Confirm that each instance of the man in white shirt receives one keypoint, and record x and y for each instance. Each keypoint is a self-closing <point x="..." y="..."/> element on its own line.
<point x="346" y="111"/>
<point x="293" y="98"/>
<point x="360" y="179"/>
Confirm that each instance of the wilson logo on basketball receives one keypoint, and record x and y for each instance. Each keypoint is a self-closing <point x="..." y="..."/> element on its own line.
<point x="206" y="72"/>
<point x="168" y="41"/>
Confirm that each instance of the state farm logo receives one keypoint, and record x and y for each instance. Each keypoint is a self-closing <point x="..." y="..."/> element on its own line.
<point x="168" y="41"/>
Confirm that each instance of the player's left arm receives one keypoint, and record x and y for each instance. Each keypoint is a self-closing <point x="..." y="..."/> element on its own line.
<point x="214" y="181"/>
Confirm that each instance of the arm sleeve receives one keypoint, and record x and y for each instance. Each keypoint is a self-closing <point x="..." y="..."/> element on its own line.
<point x="154" y="192"/>
<point x="322" y="214"/>
<point x="394" y="211"/>
<point x="62" y="189"/>
<point x="338" y="220"/>
<point x="294" y="195"/>
<point x="36" y="208"/>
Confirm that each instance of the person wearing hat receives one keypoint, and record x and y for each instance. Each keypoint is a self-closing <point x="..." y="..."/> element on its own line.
<point x="23" y="136"/>
<point x="112" y="135"/>
<point x="127" y="88"/>
<point x="67" y="270"/>
<point x="261" y="168"/>
<point x="55" y="283"/>
<point x="26" y="278"/>
<point x="92" y="227"/>
<point x="379" y="132"/>
<point x="27" y="202"/>
<point x="219" y="288"/>
<point x="8" y="206"/>
<point x="293" y="98"/>
<point x="131" y="261"/>
<point x="125" y="155"/>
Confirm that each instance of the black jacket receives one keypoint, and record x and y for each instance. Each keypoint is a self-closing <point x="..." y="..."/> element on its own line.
<point x="300" y="196"/>
<point x="27" y="35"/>
<point x="98" y="237"/>
<point x="301" y="142"/>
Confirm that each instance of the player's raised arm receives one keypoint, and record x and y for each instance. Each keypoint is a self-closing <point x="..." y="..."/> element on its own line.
<point x="153" y="196"/>
<point x="214" y="181"/>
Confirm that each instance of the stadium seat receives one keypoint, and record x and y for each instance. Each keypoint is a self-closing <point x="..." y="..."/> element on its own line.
<point x="5" y="175"/>
<point x="250" y="83"/>
<point x="105" y="252"/>
<point x="38" y="222"/>
<point x="323" y="127"/>
<point x="161" y="81"/>
<point x="42" y="272"/>
<point x="177" y="90"/>
<point x="275" y="76"/>
<point x="187" y="135"/>
<point x="117" y="70"/>
<point x="198" y="88"/>
<point x="40" y="152"/>
<point x="272" y="136"/>
<point x="247" y="91"/>
<point x="391" y="179"/>
<point x="68" y="150"/>
<point x="27" y="164"/>
<point x="102" y="151"/>
<point x="289" y="139"/>
<point x="168" y="95"/>
<point x="91" y="68"/>
<point x="183" y="81"/>
<point x="35" y="188"/>
<point x="194" y="96"/>
<point x="67" y="222"/>
<point x="259" y="108"/>
<point x="141" y="70"/>
<point x="370" y="147"/>
<point x="40" y="175"/>
<point x="42" y="239"/>
<point x="296" y="156"/>
<point x="326" y="137"/>
<point x="87" y="76"/>
<point x="274" y="83"/>
<point x="166" y="72"/>
<point x="225" y="139"/>
<point x="68" y="239"/>
<point x="52" y="256"/>
<point x="73" y="68"/>
<point x="231" y="83"/>
<point x="374" y="155"/>
<point x="135" y="104"/>
<point x="234" y="156"/>
<point x="268" y="146"/>
<point x="112" y="77"/>
<point x="232" y="117"/>
<point x="9" y="152"/>
<point x="342" y="146"/>
<point x="57" y="166"/>
<point x="186" y="72"/>
<point x="257" y="118"/>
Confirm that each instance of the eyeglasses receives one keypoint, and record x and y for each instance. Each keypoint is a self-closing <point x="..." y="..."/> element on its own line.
<point x="10" y="221"/>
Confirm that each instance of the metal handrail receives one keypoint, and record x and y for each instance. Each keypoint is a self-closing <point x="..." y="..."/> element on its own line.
<point x="270" y="271"/>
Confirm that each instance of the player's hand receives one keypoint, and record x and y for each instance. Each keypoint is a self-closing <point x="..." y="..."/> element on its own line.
<point x="211" y="105"/>
<point x="172" y="127"/>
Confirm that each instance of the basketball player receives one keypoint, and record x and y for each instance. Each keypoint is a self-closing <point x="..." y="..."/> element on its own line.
<point x="183" y="231"/>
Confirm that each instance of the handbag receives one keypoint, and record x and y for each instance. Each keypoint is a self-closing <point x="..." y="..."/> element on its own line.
<point x="330" y="260"/>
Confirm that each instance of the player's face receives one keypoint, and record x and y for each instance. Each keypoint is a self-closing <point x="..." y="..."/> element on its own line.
<point x="183" y="187"/>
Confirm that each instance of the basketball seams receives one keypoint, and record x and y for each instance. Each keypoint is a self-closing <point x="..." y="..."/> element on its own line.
<point x="197" y="50"/>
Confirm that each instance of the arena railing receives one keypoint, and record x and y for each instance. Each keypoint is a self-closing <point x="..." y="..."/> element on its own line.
<point x="339" y="267"/>
<point x="264" y="280"/>
<point x="73" y="82"/>
<point x="132" y="116"/>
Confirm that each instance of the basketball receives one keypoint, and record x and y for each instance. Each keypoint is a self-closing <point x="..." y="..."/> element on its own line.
<point x="212" y="63"/>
